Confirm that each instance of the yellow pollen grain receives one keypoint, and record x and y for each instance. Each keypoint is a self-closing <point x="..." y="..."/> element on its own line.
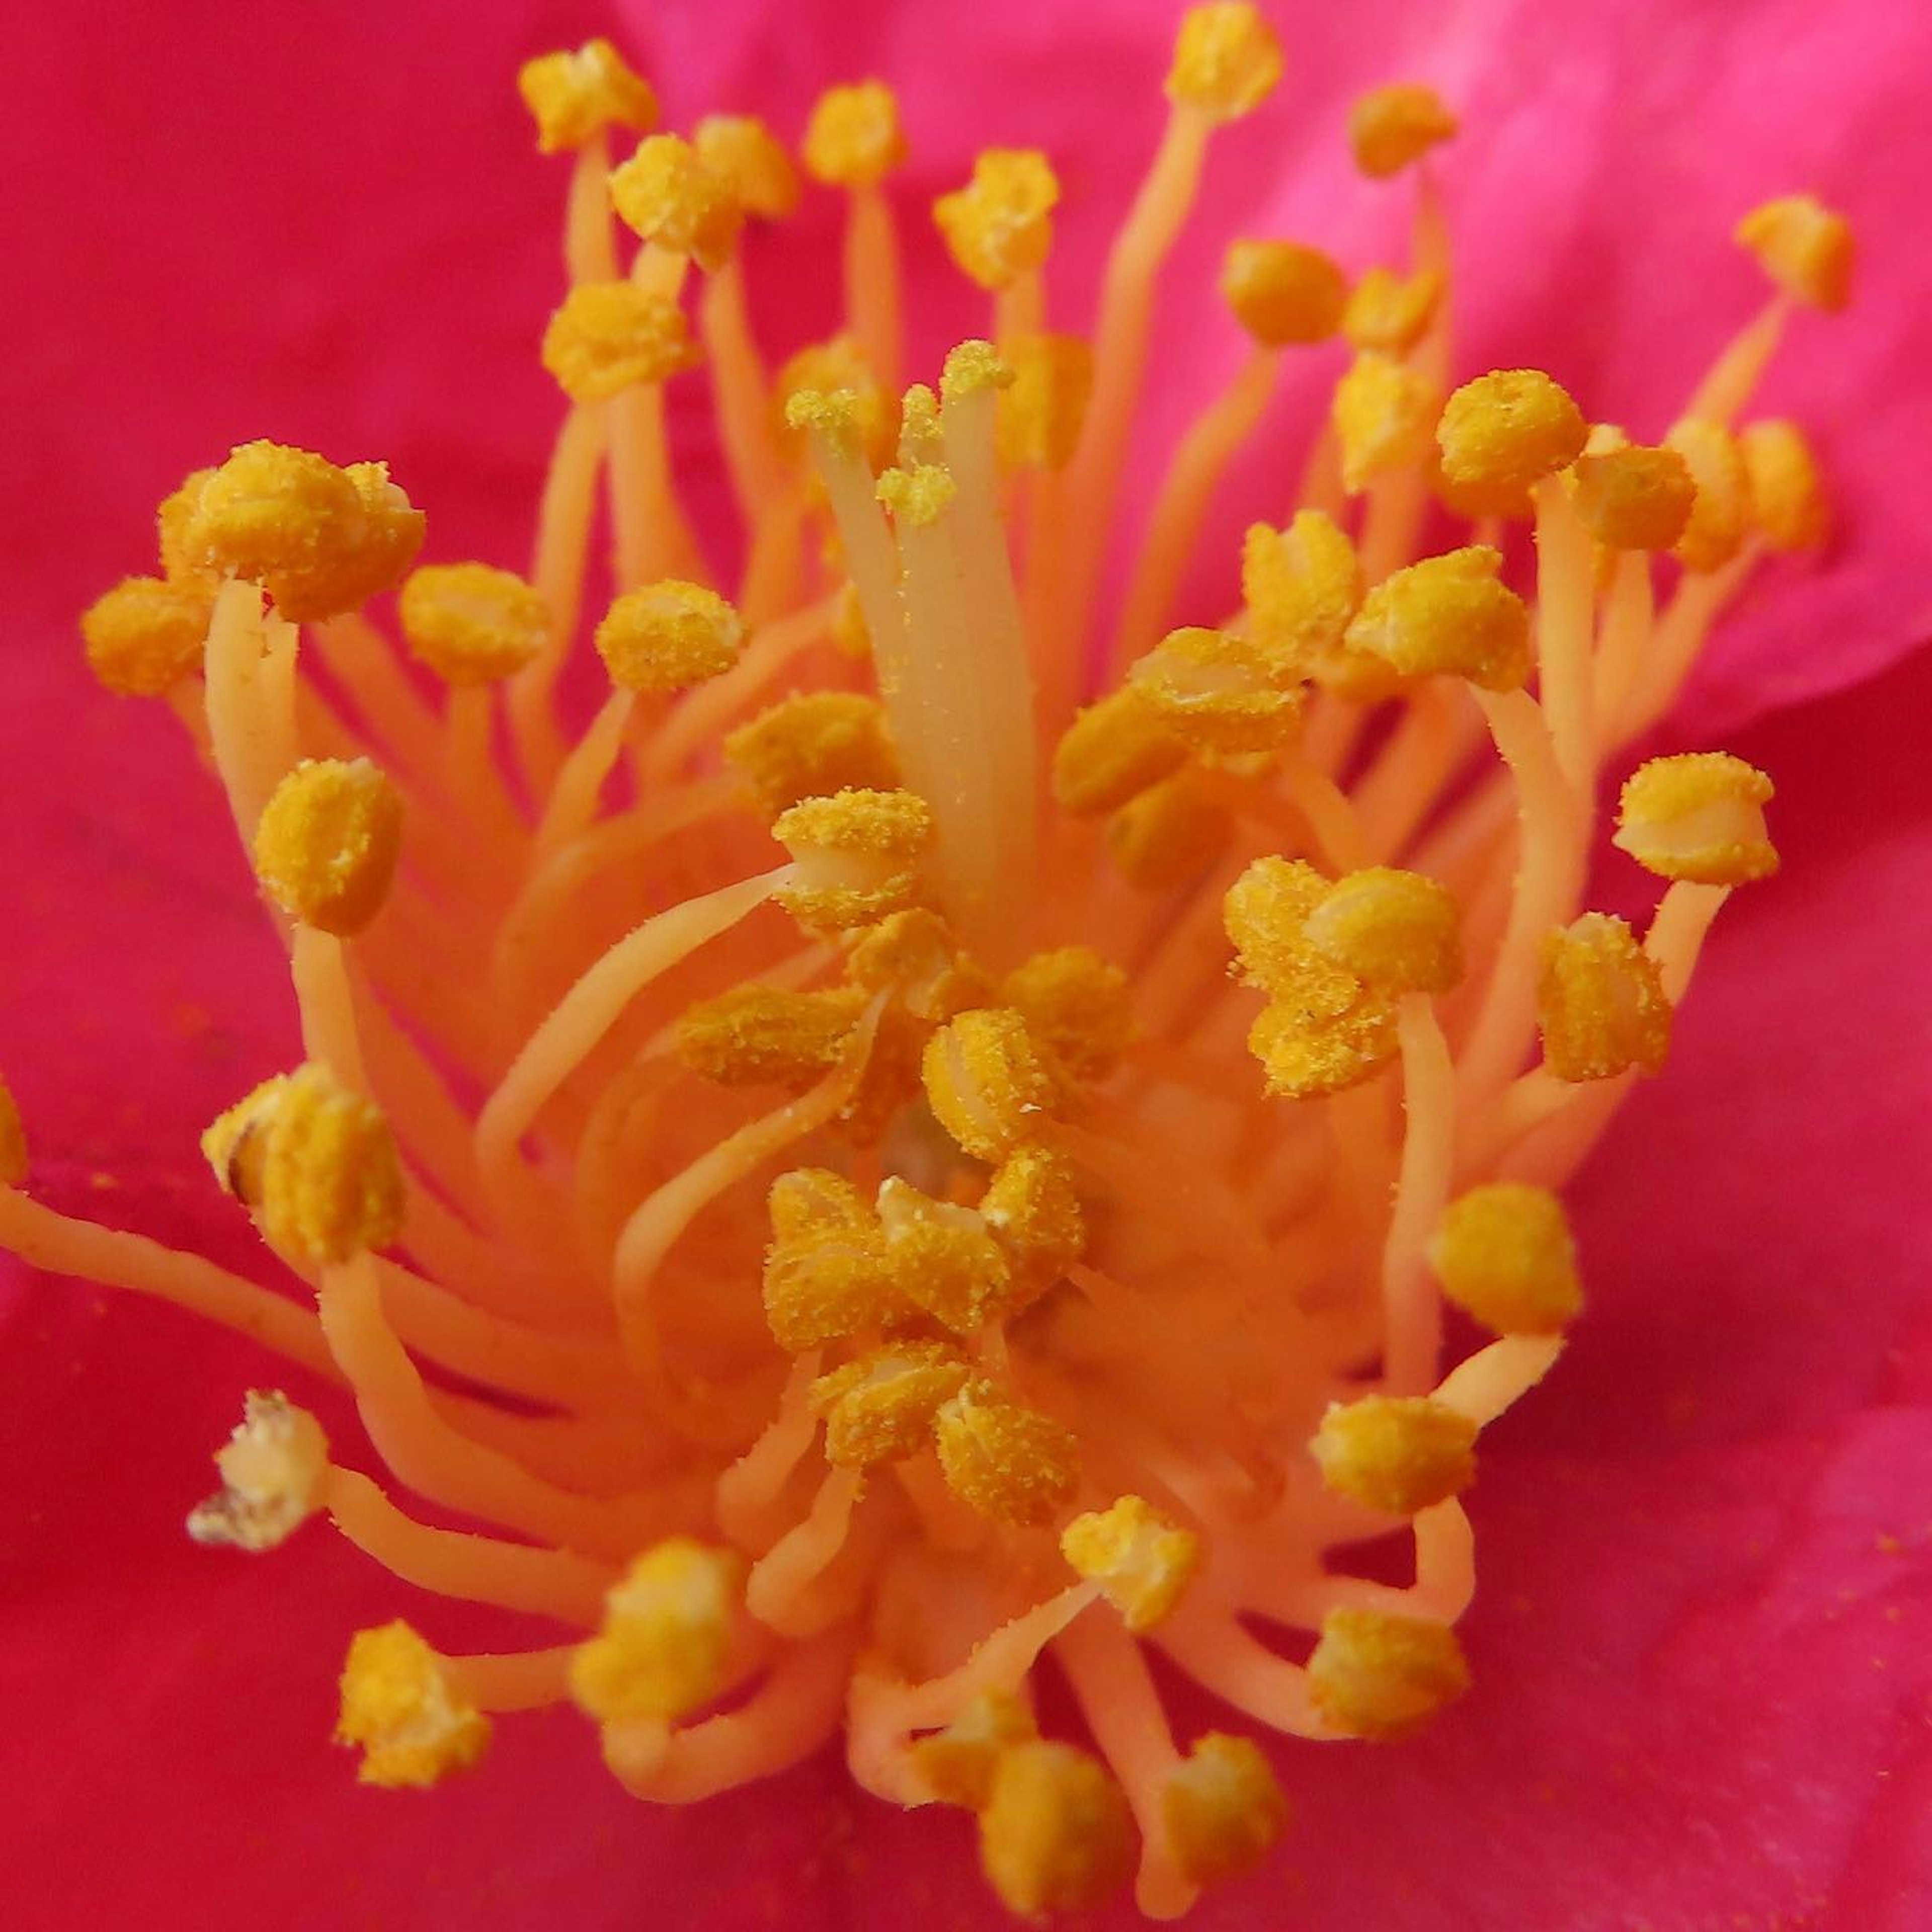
<point x="987" y="1081"/>
<point x="971" y="368"/>
<point x="750" y="159"/>
<point x="825" y="1276"/>
<point x="1720" y="511"/>
<point x="1447" y="616"/>
<point x="327" y="843"/>
<point x="1789" y="504"/>
<point x="941" y="1257"/>
<point x="1504" y="1254"/>
<point x="1000" y="226"/>
<point x="853" y="139"/>
<point x="398" y="1706"/>
<point x="1390" y="314"/>
<point x="1383" y="411"/>
<point x="879" y="1407"/>
<point x="1698" y="815"/>
<point x="1396" y="1453"/>
<point x="1219" y="692"/>
<point x="172" y="516"/>
<point x="1634" y="498"/>
<point x="1304" y="1057"/>
<point x="607" y="337"/>
<point x="754" y="1036"/>
<point x="1600" y="1002"/>
<point x="1042" y="412"/>
<point x="662" y="1651"/>
<point x="1396" y="931"/>
<point x="1171" y="833"/>
<point x="829" y="387"/>
<point x="1227" y="61"/>
<point x="1376" y="1675"/>
<point x="918" y="495"/>
<point x="811" y="744"/>
<point x="1389" y="127"/>
<point x="574" y="96"/>
<point x="1112" y="752"/>
<point x="472" y="623"/>
<point x="1010" y="1463"/>
<point x="1032" y="1207"/>
<point x="1807" y="249"/>
<point x="1076" y="1005"/>
<point x="1511" y="427"/>
<point x="956" y="1764"/>
<point x="273" y="1467"/>
<point x="1223" y="1807"/>
<point x="1142" y="1562"/>
<point x="667" y="195"/>
<point x="668" y="636"/>
<point x="1302" y="586"/>
<point x="1283" y="291"/>
<point x="857" y="856"/>
<point x="146" y="635"/>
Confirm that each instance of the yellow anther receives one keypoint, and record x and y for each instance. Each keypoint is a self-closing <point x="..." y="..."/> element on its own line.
<point x="918" y="428"/>
<point x="1142" y="1562"/>
<point x="811" y="744"/>
<point x="825" y="1271"/>
<point x="1219" y="691"/>
<point x="1055" y="1833"/>
<point x="1010" y="1463"/>
<point x="1504" y="1255"/>
<point x="413" y="1727"/>
<point x="13" y="1141"/>
<point x="750" y="159"/>
<point x="665" y="194"/>
<point x="320" y="540"/>
<point x="472" y="623"/>
<point x="942" y="1258"/>
<point x="829" y="388"/>
<point x="146" y="635"/>
<point x="1600" y="1002"/>
<point x="666" y="1635"/>
<point x="1396" y="1453"/>
<point x="1076" y="1005"/>
<point x="574" y="96"/>
<point x="1397" y="932"/>
<point x="1223" y="1807"/>
<point x="1805" y="248"/>
<point x="273" y="1468"/>
<point x="1283" y="291"/>
<point x="1720" y="511"/>
<point x="1788" y="500"/>
<point x="1634" y="498"/>
<point x="756" y="1036"/>
<point x="879" y="1408"/>
<point x="1303" y="1057"/>
<point x="172" y="518"/>
<point x="1375" y="1676"/>
<point x="327" y="843"/>
<point x="856" y="856"/>
<point x="1698" y="815"/>
<point x="844" y="418"/>
<point x="1041" y="413"/>
<point x="1383" y="412"/>
<point x="1171" y="833"/>
<point x="1226" y="60"/>
<point x="1391" y="126"/>
<point x="315" y="1164"/>
<point x="1112" y="752"/>
<point x="1302" y="585"/>
<point x="1000" y="226"/>
<point x="1265" y="912"/>
<point x="913" y="954"/>
<point x="1033" y="1208"/>
<point x="1390" y="313"/>
<point x="608" y="336"/>
<point x="853" y="139"/>
<point x="987" y="1081"/>
<point x="668" y="636"/>
<point x="920" y="495"/>
<point x="1511" y="427"/>
<point x="956" y="1765"/>
<point x="971" y="368"/>
<point x="1447" y="616"/>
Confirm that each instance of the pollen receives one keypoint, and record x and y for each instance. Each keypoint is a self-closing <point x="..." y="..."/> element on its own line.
<point x="741" y="151"/>
<point x="1384" y="411"/>
<point x="1396" y="1453"/>
<point x="1042" y="410"/>
<point x="941" y="1257"/>
<point x="414" y="1728"/>
<point x="825" y="1273"/>
<point x="987" y="1081"/>
<point x="956" y="1764"/>
<point x="1283" y="291"/>
<point x="914" y="956"/>
<point x="1504" y="1254"/>
<point x="1720" y="511"/>
<point x="666" y="193"/>
<point x="918" y="495"/>
<point x="573" y="97"/>
<point x="811" y="744"/>
<point x="1112" y="752"/>
<point x="1391" y="127"/>
<point x="1788" y="500"/>
<point x="1302" y="585"/>
<point x="173" y="516"/>
<point x="146" y="635"/>
<point x="1807" y="249"/>
<point x="273" y="1468"/>
<point x="1376" y="1675"/>
<point x="1396" y="931"/>
<point x="326" y="847"/>
<point x="1450" y="615"/>
<point x="472" y="623"/>
<point x="1223" y="1807"/>
<point x="1076" y="1005"/>
<point x="854" y="139"/>
<point x="1218" y="692"/>
<point x="1000" y="226"/>
<point x="1011" y="1463"/>
<point x="1698" y="815"/>
<point x="1600" y="1002"/>
<point x="1304" y="1056"/>
<point x="1390" y="314"/>
<point x="1511" y="427"/>
<point x="857" y="856"/>
<point x="1142" y="1562"/>
<point x="607" y="337"/>
<point x="972" y="368"/>
<point x="1032" y="1206"/>
<point x="666" y="1630"/>
<point x="1227" y="61"/>
<point x="880" y="1407"/>
<point x="667" y="637"/>
<point x="756" y="1035"/>
<point x="1634" y="498"/>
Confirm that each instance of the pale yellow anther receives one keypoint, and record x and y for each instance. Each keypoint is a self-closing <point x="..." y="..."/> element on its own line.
<point x="1396" y="931"/>
<point x="666" y="1635"/>
<point x="1264" y="913"/>
<point x="667" y="195"/>
<point x="1033" y="1207"/>
<point x="842" y="417"/>
<point x="669" y="636"/>
<point x="1283" y="291"/>
<point x="918" y="496"/>
<point x="1041" y="414"/>
<point x="956" y="1764"/>
<point x="1303" y="1058"/>
<point x="942" y="1258"/>
<point x="608" y="336"/>
<point x="1227" y="60"/>
<point x="914" y="956"/>
<point x="1223" y="1807"/>
<point x="1698" y="815"/>
<point x="1504" y="1255"/>
<point x="1142" y="1562"/>
<point x="828" y="389"/>
<point x="1789" y="505"/>
<point x="757" y="1035"/>
<point x="1219" y="692"/>
<point x="1600" y="1002"/>
<point x="1374" y="1674"/>
<point x="1390" y="313"/>
<point x="744" y="153"/>
<point x="1513" y="426"/>
<point x="825" y="1270"/>
<point x="327" y="843"/>
<point x="879" y="1408"/>
<point x="1720" y="511"/>
<point x="1632" y="497"/>
<point x="1383" y="412"/>
<point x="13" y="1141"/>
<point x="173" y="516"/>
<point x="472" y="623"/>
<point x="1000" y="226"/>
<point x="857" y="856"/>
<point x="1010" y="1463"/>
<point x="146" y="635"/>
<point x="273" y="1467"/>
<point x="315" y="1163"/>
<point x="398" y="1706"/>
<point x="971" y="368"/>
<point x="1112" y="752"/>
<point x="988" y="1082"/>
<point x="1396" y="1453"/>
<point x="1391" y="126"/>
<point x="1447" y="616"/>
<point x="1171" y="833"/>
<point x="1807" y="249"/>
<point x="918" y="428"/>
<point x="811" y="744"/>
<point x="1302" y="585"/>
<point x="573" y="97"/>
<point x="1076" y="1005"/>
<point x="853" y="139"/>
<point x="1055" y="1833"/>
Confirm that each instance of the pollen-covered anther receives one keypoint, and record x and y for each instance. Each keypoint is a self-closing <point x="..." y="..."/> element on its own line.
<point x="327" y="843"/>
<point x="825" y="1273"/>
<point x="1219" y="692"/>
<point x="988" y="1082"/>
<point x="1076" y="1005"/>
<point x="666" y="194"/>
<point x="1391" y="127"/>
<point x="273" y="1467"/>
<point x="1010" y="1463"/>
<point x="1304" y="1057"/>
<point x="1504" y="1254"/>
<point x="829" y="388"/>
<point x="1720" y="511"/>
<point x="1033" y="1208"/>
<point x="1600" y="1002"/>
<point x="853" y="139"/>
<point x="1223" y="1807"/>
<point x="574" y="96"/>
<point x="1513" y="426"/>
<point x="173" y="515"/>
<point x="956" y="1764"/>
<point x="1632" y="497"/>
<point x="1789" y="505"/>
<point x="398" y="1706"/>
<point x="1227" y="60"/>
<point x="1396" y="931"/>
<point x="1142" y="1562"/>
<point x="754" y="1036"/>
<point x="750" y="160"/>
<point x="14" y="1155"/>
<point x="1042" y="410"/>
<point x="1112" y="751"/>
<point x="914" y="956"/>
<point x="607" y="337"/>
<point x="668" y="636"/>
<point x="1807" y="249"/>
<point x="1698" y="815"/>
<point x="1172" y="832"/>
<point x="146" y="635"/>
<point x="1396" y="1453"/>
<point x="473" y="623"/>
<point x="1447" y="616"/>
<point x="941" y="1257"/>
<point x="811" y="744"/>
<point x="857" y="856"/>
<point x="1302" y="586"/>
<point x="919" y="493"/>
<point x="1374" y="1674"/>
<point x="1283" y="291"/>
<point x="971" y="368"/>
<point x="667" y="1631"/>
<point x="1390" y="313"/>
<point x="1000" y="226"/>
<point x="1383" y="411"/>
<point x="1265" y="912"/>
<point x="1055" y="1833"/>
<point x="879" y="1408"/>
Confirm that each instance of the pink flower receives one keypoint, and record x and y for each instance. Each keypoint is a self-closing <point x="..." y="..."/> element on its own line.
<point x="1706" y="1602"/>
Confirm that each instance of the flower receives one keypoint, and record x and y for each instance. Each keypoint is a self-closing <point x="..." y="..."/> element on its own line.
<point x="236" y="1658"/>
